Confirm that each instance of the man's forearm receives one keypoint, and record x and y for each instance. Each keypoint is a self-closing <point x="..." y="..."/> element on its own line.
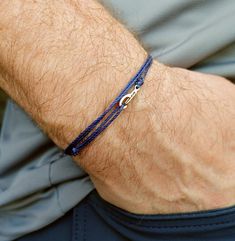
<point x="64" y="61"/>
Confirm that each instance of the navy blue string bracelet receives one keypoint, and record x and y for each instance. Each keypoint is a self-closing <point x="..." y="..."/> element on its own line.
<point x="111" y="113"/>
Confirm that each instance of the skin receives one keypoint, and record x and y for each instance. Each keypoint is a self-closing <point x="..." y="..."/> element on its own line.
<point x="172" y="150"/>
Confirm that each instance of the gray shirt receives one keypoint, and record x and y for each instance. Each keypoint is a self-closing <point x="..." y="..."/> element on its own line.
<point x="37" y="184"/>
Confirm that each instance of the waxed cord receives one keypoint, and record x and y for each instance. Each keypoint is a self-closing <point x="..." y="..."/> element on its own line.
<point x="115" y="108"/>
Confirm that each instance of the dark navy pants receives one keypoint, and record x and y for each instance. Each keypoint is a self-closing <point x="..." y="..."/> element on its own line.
<point x="96" y="220"/>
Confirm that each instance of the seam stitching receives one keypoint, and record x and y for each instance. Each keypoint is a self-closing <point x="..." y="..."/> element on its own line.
<point x="163" y="227"/>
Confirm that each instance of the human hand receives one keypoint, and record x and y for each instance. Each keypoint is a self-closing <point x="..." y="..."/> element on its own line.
<point x="173" y="149"/>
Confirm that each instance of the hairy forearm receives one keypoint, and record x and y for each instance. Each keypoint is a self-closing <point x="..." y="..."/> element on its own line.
<point x="64" y="61"/>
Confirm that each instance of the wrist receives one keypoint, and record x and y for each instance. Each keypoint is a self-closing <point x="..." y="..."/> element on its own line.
<point x="120" y="137"/>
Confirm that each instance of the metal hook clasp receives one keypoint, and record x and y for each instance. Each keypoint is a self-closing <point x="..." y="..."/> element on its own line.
<point x="125" y="100"/>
